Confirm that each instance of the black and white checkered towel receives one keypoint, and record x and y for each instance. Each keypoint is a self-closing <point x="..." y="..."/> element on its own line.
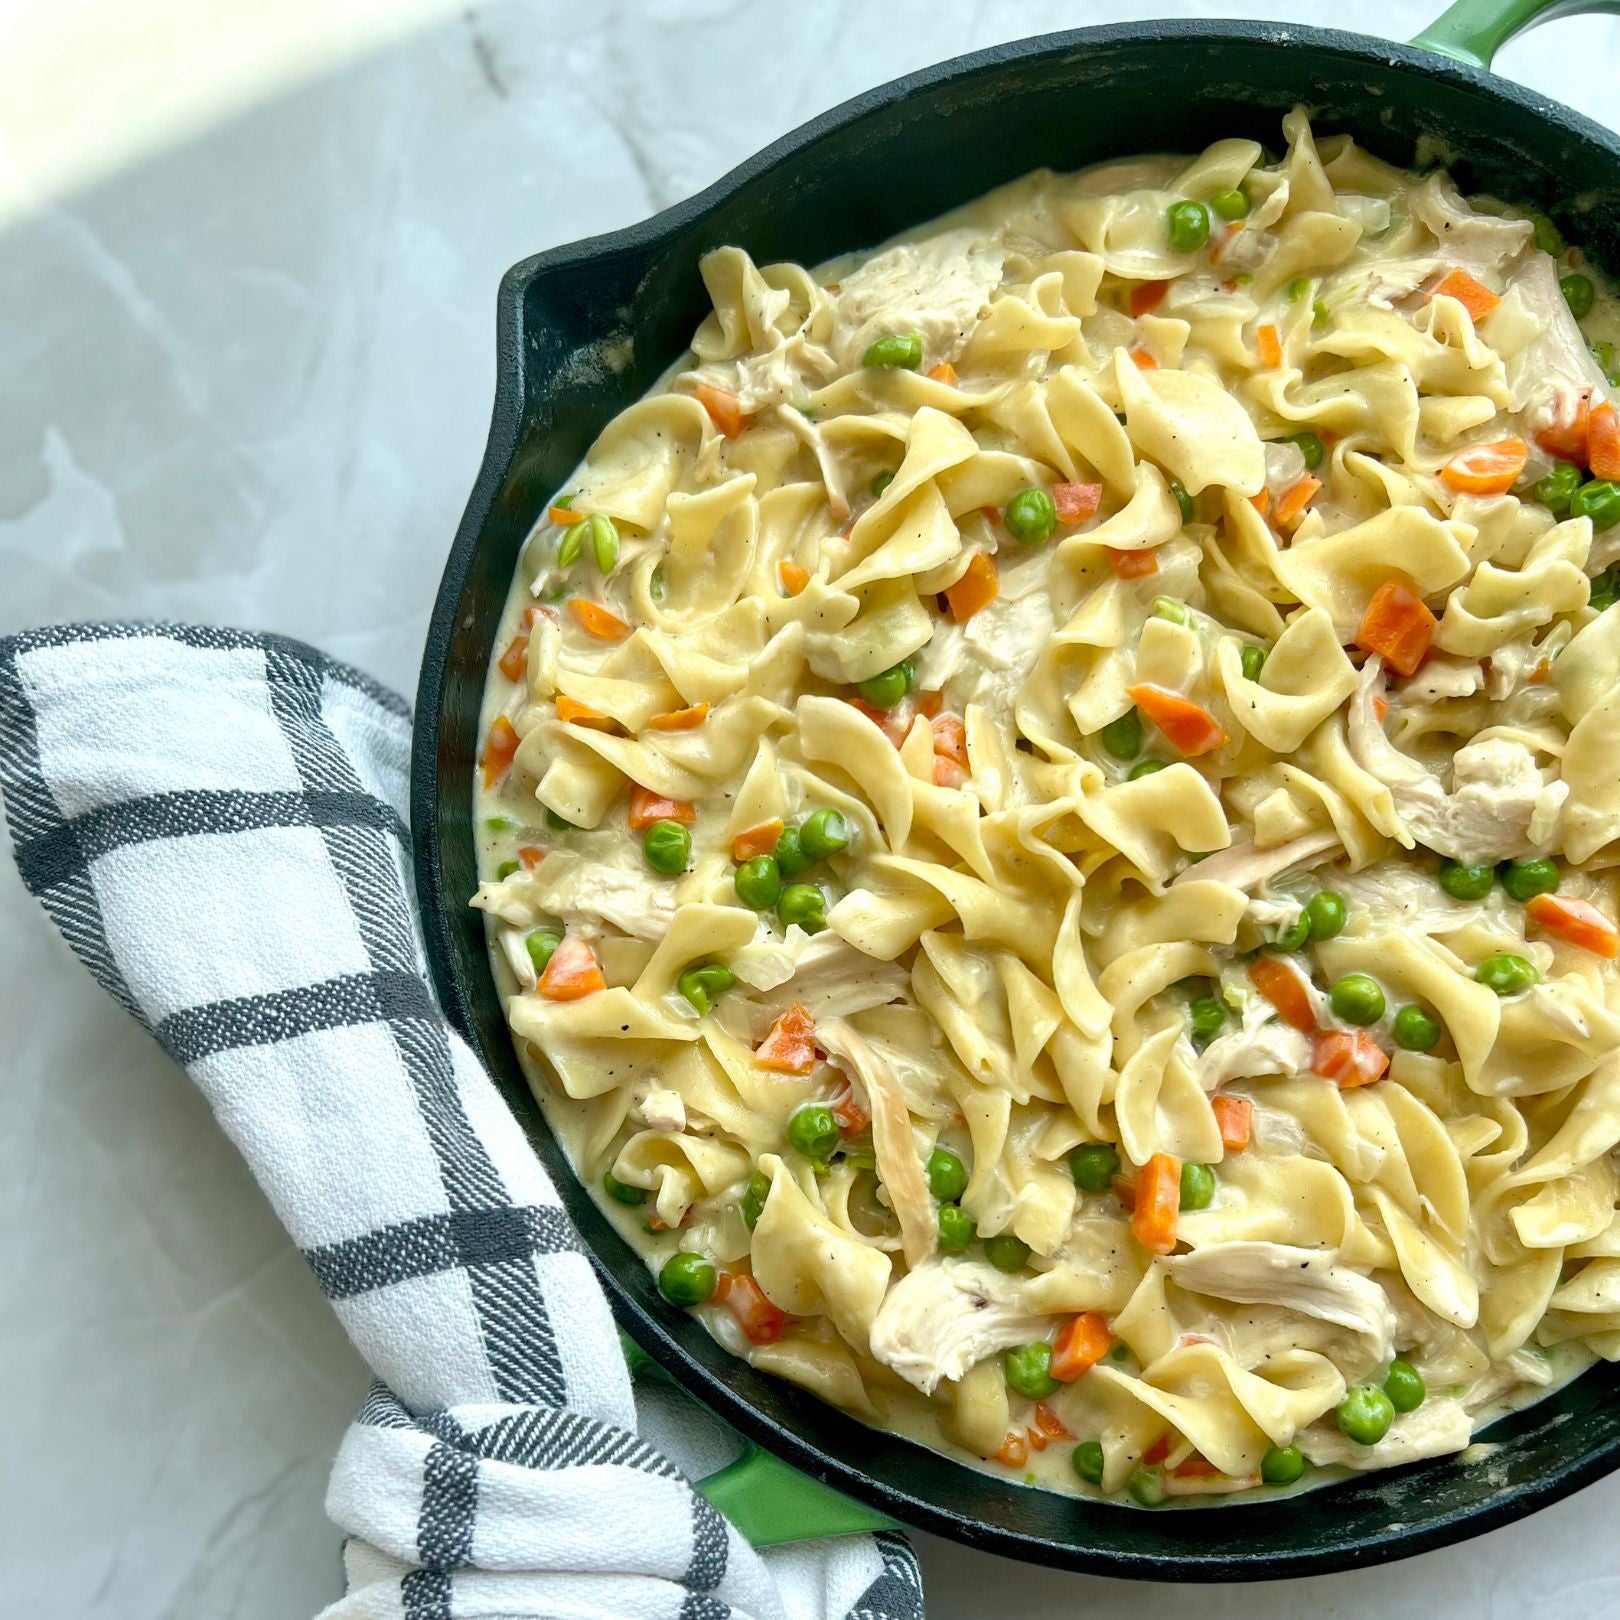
<point x="215" y="821"/>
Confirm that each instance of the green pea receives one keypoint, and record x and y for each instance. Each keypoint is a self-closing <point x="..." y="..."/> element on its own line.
<point x="1146" y="767"/>
<point x="1310" y="446"/>
<point x="1506" y="974"/>
<point x="881" y="482"/>
<point x="540" y="944"/>
<point x="1030" y="516"/>
<point x="1605" y="590"/>
<point x="1087" y="1461"/>
<point x="1357" y="999"/>
<point x="956" y="1228"/>
<point x="1185" y="504"/>
<point x="1187" y="223"/>
<point x="1365" y="1414"/>
<point x="1524" y="880"/>
<point x="753" y="1198"/>
<point x="900" y="351"/>
<point x="1579" y="294"/>
<point x="1326" y="914"/>
<point x="505" y="870"/>
<point x="1295" y="936"/>
<point x="1029" y="1371"/>
<point x="1147" y="1486"/>
<point x="1167" y="607"/>
<point x="804" y="904"/>
<point x="1598" y="500"/>
<point x="499" y="824"/>
<point x="621" y="1192"/>
<point x="1603" y="353"/>
<point x="1548" y="237"/>
<point x="1466" y="882"/>
<point x="687" y="1279"/>
<point x="758" y="882"/>
<point x="814" y="1131"/>
<point x="704" y="984"/>
<point x="1123" y="737"/>
<point x="1282" y="1465"/>
<point x="604" y="540"/>
<point x="885" y="690"/>
<point x="667" y="846"/>
<point x="824" y="833"/>
<point x="1233" y="204"/>
<point x="1415" y="1030"/>
<point x="947" y="1176"/>
<point x="657" y="585"/>
<point x="1556" y="490"/>
<point x="1094" y="1166"/>
<point x="563" y="503"/>
<point x="1197" y="1186"/>
<point x="789" y="854"/>
<point x="1405" y="1387"/>
<point x="571" y="547"/>
<point x="1319" y="314"/>
<point x="1253" y="660"/>
<point x="1297" y="288"/>
<point x="1006" y="1252"/>
<point x="1208" y="1019"/>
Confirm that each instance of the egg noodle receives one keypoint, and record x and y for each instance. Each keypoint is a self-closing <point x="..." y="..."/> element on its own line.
<point x="1049" y="821"/>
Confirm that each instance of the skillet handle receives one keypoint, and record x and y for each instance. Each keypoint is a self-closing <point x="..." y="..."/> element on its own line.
<point x="769" y="1501"/>
<point x="1473" y="31"/>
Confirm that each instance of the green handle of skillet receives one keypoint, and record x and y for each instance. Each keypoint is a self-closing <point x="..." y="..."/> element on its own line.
<point x="770" y="1502"/>
<point x="1473" y="31"/>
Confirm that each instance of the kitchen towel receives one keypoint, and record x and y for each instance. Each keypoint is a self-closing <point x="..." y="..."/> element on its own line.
<point x="216" y="822"/>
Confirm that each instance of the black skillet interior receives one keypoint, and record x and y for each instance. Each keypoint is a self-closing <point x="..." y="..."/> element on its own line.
<point x="585" y="330"/>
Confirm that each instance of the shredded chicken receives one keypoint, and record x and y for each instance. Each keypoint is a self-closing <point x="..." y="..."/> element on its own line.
<point x="1481" y="243"/>
<point x="1247" y="866"/>
<point x="1443" y="676"/>
<point x="661" y="1110"/>
<point x="1437" y="1428"/>
<point x="1553" y="372"/>
<point x="947" y="1316"/>
<point x="517" y="956"/>
<point x="826" y="461"/>
<point x="1263" y="1046"/>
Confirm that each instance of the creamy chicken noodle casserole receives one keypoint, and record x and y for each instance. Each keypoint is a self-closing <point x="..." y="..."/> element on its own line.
<point x="1049" y="821"/>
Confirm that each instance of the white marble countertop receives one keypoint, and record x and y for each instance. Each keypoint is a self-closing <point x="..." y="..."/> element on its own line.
<point x="247" y="380"/>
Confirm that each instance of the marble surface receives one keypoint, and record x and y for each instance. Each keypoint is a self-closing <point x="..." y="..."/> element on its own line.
<point x="247" y="380"/>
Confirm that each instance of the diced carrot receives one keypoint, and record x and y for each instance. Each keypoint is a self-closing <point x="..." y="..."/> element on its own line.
<point x="1261" y="502"/>
<point x="975" y="590"/>
<point x="761" y="1321"/>
<point x="1234" y="1116"/>
<point x="1157" y="1452"/>
<point x="646" y="807"/>
<point x="1486" y="469"/>
<point x="515" y="660"/>
<point x="929" y="704"/>
<point x="1188" y="727"/>
<point x="657" y="1223"/>
<point x="991" y="515"/>
<point x="723" y="408"/>
<point x="1575" y="922"/>
<point x="1284" y="986"/>
<point x="1049" y="1423"/>
<point x="1158" y="1198"/>
<point x="1194" y="1467"/>
<point x="1144" y="359"/>
<point x="573" y="971"/>
<point x="530" y="855"/>
<point x="1570" y="440"/>
<point x="564" y="516"/>
<point x="886" y="720"/>
<point x="944" y="372"/>
<point x="1146" y="296"/>
<point x="530" y="615"/>
<point x="1397" y="626"/>
<point x="500" y="749"/>
<point x="574" y="713"/>
<point x="1133" y="564"/>
<point x="947" y="773"/>
<point x="790" y="1047"/>
<point x="1381" y="709"/>
<point x="1603" y="442"/>
<point x="1538" y="676"/>
<point x="595" y="620"/>
<point x="1076" y="502"/>
<point x="1474" y="296"/>
<point x="1268" y="345"/>
<point x="793" y="577"/>
<point x="681" y="719"/>
<point x="1349" y="1057"/>
<point x="1036" y="1438"/>
<point x="756" y="840"/>
<point x="1081" y="1343"/>
<point x="846" y="1109"/>
<point x="1291" y="506"/>
<point x="950" y="738"/>
<point x="1014" y="1450"/>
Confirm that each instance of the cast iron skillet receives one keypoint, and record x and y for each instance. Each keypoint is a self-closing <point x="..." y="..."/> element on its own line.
<point x="584" y="330"/>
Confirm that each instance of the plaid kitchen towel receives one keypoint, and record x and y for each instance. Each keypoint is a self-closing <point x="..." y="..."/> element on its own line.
<point x="215" y="821"/>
